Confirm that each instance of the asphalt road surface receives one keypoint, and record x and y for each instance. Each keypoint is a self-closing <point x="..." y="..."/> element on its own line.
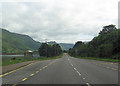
<point x="65" y="70"/>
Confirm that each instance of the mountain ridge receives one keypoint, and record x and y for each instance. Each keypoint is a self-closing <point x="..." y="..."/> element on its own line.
<point x="18" y="43"/>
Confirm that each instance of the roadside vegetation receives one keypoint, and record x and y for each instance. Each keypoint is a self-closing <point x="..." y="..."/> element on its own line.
<point x="100" y="59"/>
<point x="106" y="46"/>
<point x="46" y="52"/>
<point x="19" y="60"/>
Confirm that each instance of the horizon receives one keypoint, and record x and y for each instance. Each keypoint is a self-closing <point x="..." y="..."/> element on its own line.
<point x="41" y="41"/>
<point x="33" y="39"/>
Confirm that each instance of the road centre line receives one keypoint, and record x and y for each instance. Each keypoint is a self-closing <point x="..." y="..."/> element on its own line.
<point x="15" y="70"/>
<point x="24" y="79"/>
<point x="14" y="84"/>
<point x="46" y="66"/>
<point x="32" y="74"/>
<point x="40" y="69"/>
<point x="37" y="71"/>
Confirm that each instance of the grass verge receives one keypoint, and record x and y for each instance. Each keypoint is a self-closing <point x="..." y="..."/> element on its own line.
<point x="18" y="60"/>
<point x="100" y="59"/>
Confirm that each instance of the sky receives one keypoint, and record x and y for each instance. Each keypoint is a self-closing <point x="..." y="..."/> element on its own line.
<point x="63" y="21"/>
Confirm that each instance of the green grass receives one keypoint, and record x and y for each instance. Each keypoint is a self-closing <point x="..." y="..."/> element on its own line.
<point x="101" y="59"/>
<point x="48" y="58"/>
<point x="13" y="62"/>
<point x="9" y="62"/>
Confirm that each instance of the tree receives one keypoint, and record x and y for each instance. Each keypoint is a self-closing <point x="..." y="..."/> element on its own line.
<point x="107" y="29"/>
<point x="56" y="49"/>
<point x="49" y="50"/>
<point x="77" y="44"/>
<point x="105" y="50"/>
<point x="43" y="49"/>
<point x="105" y="45"/>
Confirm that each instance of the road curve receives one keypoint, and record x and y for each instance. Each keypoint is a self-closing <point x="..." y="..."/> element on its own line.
<point x="65" y="70"/>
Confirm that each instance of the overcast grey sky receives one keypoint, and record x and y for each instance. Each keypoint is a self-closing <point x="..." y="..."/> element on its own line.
<point x="64" y="21"/>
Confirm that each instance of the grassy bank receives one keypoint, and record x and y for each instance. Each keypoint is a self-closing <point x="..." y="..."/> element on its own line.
<point x="100" y="59"/>
<point x="18" y="60"/>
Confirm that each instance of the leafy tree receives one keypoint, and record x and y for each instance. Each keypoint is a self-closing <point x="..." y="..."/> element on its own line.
<point x="43" y="49"/>
<point x="49" y="50"/>
<point x="105" y="50"/>
<point x="107" y="29"/>
<point x="56" y="49"/>
<point x="77" y="44"/>
<point x="105" y="45"/>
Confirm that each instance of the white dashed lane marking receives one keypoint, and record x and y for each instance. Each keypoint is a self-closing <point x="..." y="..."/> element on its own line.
<point x="78" y="73"/>
<point x="75" y="69"/>
<point x="83" y="78"/>
<point x="71" y="64"/>
<point x="88" y="84"/>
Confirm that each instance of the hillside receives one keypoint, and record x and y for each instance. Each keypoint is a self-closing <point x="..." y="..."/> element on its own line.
<point x="17" y="43"/>
<point x="105" y="45"/>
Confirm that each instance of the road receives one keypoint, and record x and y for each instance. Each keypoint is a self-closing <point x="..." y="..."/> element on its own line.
<point x="65" y="70"/>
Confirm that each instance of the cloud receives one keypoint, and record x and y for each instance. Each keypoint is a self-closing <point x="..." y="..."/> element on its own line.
<point x="60" y="20"/>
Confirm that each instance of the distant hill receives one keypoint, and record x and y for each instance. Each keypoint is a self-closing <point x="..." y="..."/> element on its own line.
<point x="64" y="46"/>
<point x="17" y="43"/>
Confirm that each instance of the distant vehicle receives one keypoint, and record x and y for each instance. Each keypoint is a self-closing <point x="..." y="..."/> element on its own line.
<point x="28" y="53"/>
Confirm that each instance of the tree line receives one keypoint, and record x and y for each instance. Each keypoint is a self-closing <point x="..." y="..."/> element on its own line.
<point x="47" y="50"/>
<point x="105" y="45"/>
